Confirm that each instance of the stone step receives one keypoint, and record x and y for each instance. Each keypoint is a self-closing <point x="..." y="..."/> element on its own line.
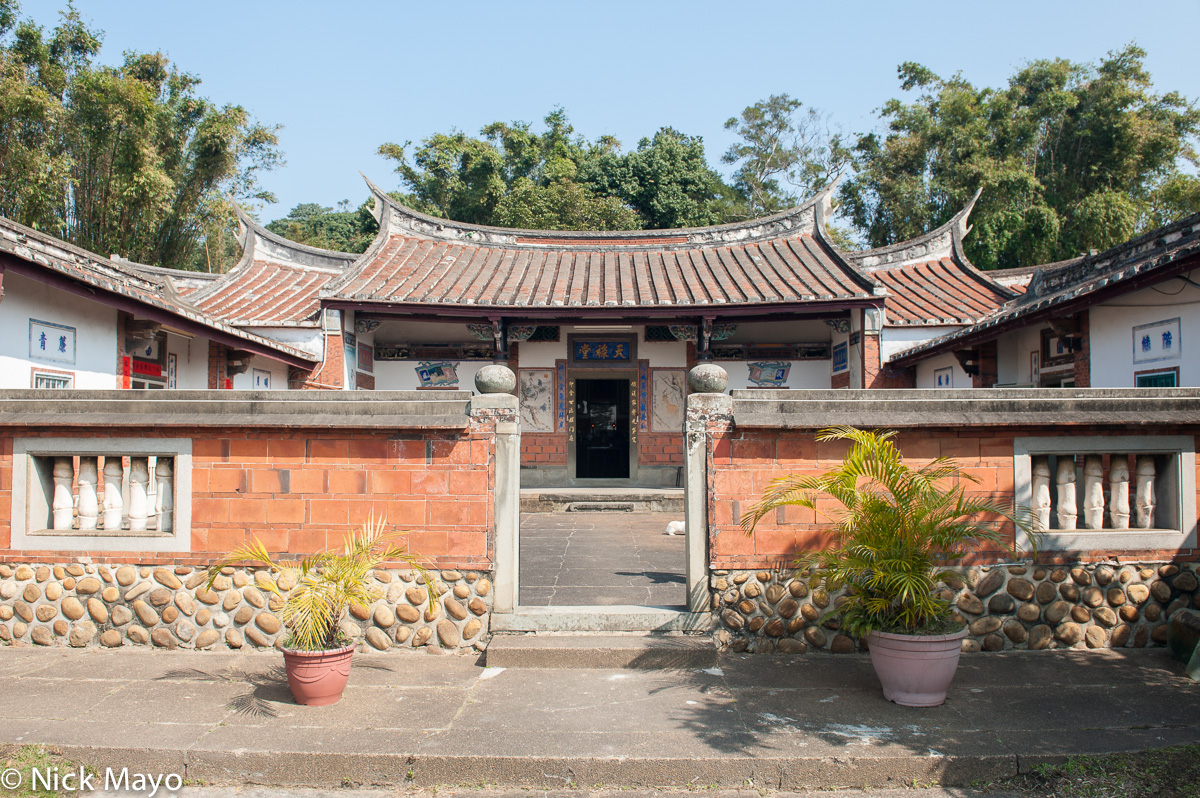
<point x="636" y="500"/>
<point x="636" y="651"/>
<point x="598" y="619"/>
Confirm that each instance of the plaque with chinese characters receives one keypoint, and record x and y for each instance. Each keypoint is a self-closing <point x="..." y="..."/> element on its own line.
<point x="607" y="351"/>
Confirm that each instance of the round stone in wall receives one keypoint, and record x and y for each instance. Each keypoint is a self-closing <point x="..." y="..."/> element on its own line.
<point x="495" y="378"/>
<point x="707" y="378"/>
<point x="378" y="639"/>
<point x="207" y="638"/>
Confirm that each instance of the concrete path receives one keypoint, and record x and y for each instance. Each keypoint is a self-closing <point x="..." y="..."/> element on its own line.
<point x="410" y="718"/>
<point x="599" y="558"/>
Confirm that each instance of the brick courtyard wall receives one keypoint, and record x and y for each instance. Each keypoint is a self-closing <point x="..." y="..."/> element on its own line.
<point x="1101" y="597"/>
<point x="297" y="472"/>
<point x="1083" y="356"/>
<point x="660" y="449"/>
<point x="297" y="484"/>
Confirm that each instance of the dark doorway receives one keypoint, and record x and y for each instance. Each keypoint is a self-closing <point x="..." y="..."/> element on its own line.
<point x="602" y="421"/>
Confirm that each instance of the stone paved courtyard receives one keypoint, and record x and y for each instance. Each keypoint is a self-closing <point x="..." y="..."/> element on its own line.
<point x="600" y="558"/>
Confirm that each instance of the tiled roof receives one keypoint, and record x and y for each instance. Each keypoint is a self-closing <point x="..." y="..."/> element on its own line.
<point x="939" y="291"/>
<point x="1067" y="286"/>
<point x="276" y="283"/>
<point x="929" y="279"/>
<point x="131" y="285"/>
<point x="420" y="260"/>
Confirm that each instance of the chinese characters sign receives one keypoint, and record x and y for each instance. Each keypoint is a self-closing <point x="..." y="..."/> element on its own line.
<point x="51" y="342"/>
<point x="613" y="351"/>
<point x="1157" y="341"/>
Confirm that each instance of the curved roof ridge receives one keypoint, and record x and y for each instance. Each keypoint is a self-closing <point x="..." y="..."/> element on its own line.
<point x="338" y="260"/>
<point x="276" y="249"/>
<point x="396" y="218"/>
<point x="939" y="242"/>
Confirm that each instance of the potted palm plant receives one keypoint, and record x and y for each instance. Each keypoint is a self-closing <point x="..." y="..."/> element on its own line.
<point x="316" y="652"/>
<point x="896" y="528"/>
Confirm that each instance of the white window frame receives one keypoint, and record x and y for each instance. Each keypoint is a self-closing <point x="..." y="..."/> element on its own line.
<point x="30" y="499"/>
<point x="1181" y="490"/>
<point x="53" y="375"/>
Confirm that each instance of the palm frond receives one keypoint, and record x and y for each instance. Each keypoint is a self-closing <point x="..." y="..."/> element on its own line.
<point x="896" y="528"/>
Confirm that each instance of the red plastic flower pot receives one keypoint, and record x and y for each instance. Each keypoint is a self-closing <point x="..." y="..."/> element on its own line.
<point x="317" y="678"/>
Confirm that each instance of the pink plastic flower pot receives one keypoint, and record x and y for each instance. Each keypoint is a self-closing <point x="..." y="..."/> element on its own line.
<point x="317" y="678"/>
<point x="915" y="670"/>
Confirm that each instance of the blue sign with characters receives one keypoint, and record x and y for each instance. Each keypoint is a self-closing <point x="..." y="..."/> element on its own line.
<point x="615" y="351"/>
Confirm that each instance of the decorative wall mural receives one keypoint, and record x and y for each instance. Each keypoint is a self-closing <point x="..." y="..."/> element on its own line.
<point x="722" y="331"/>
<point x="535" y="391"/>
<point x="520" y="332"/>
<point x="769" y="373"/>
<point x="481" y="332"/>
<point x="1160" y="340"/>
<point x="684" y="332"/>
<point x="437" y="374"/>
<point x="667" y="400"/>
<point x="366" y="326"/>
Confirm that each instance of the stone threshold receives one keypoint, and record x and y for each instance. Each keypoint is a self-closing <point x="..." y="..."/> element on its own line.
<point x="614" y="618"/>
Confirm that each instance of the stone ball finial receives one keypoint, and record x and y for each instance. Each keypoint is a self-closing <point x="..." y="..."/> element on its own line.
<point x="708" y="378"/>
<point x="495" y="378"/>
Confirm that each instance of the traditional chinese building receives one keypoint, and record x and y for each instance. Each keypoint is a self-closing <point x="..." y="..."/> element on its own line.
<point x="600" y="327"/>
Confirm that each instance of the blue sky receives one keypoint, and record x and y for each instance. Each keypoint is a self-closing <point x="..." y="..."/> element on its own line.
<point x="342" y="78"/>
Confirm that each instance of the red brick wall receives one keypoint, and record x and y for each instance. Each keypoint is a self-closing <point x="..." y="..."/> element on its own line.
<point x="544" y="448"/>
<point x="218" y="363"/>
<point x="744" y="462"/>
<point x="330" y="373"/>
<point x="1083" y="358"/>
<point x="301" y="490"/>
<point x="841" y="380"/>
<point x="877" y="376"/>
<point x="660" y="448"/>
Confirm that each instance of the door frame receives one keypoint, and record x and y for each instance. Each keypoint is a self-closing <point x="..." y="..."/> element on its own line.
<point x="629" y="374"/>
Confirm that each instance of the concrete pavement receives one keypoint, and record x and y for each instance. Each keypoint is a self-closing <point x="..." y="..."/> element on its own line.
<point x="412" y="719"/>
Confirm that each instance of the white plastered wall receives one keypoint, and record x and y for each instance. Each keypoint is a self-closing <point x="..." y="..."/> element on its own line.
<point x="927" y="372"/>
<point x="277" y="370"/>
<point x="94" y="364"/>
<point x="1111" y="329"/>
<point x="191" y="361"/>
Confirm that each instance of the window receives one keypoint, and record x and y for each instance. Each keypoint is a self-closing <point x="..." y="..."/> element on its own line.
<point x="53" y="379"/>
<point x="1130" y="491"/>
<point x="102" y="494"/>
<point x="1163" y="378"/>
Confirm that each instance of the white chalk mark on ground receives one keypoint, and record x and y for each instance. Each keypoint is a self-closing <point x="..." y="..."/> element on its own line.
<point x="863" y="735"/>
<point x="490" y="673"/>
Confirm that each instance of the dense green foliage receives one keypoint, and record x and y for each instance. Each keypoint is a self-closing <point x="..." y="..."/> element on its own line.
<point x="1070" y="157"/>
<point x="342" y="230"/>
<point x="896" y="528"/>
<point x="124" y="159"/>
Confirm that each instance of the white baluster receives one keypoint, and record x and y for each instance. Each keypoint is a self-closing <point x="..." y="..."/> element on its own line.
<point x="89" y="508"/>
<point x="139" y="478"/>
<point x="1041" y="491"/>
<point x="1093" y="492"/>
<point x="1068" y="510"/>
<point x="1144" y="499"/>
<point x="164" y="502"/>
<point x="114" y="505"/>
<point x="64" y="502"/>
<point x="1118" y="491"/>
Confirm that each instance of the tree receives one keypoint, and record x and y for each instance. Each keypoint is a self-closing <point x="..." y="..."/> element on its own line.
<point x="1070" y="157"/>
<point x="123" y="159"/>
<point x="342" y="230"/>
<point x="666" y="180"/>
<point x="783" y="156"/>
<point x="558" y="180"/>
